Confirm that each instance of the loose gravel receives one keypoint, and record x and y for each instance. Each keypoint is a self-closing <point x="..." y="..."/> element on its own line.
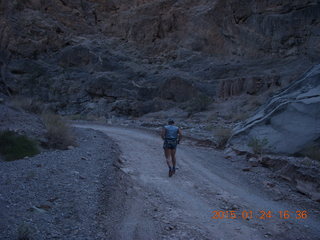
<point x="62" y="194"/>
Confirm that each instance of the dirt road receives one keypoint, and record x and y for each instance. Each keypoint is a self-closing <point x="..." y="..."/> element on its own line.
<point x="181" y="207"/>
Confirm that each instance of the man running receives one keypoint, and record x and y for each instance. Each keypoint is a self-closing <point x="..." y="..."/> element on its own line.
<point x="172" y="136"/>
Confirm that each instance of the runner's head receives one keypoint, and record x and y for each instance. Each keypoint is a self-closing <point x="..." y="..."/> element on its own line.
<point x="170" y="122"/>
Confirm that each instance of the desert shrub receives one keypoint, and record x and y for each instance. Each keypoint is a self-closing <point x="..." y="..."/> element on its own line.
<point x="14" y="146"/>
<point x="59" y="133"/>
<point x="222" y="135"/>
<point x="27" y="104"/>
<point x="258" y="146"/>
<point x="198" y="104"/>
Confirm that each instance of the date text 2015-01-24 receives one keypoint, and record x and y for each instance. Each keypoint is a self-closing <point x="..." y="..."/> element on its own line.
<point x="262" y="214"/>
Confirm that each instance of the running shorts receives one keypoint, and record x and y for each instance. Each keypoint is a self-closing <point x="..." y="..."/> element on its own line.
<point x="170" y="143"/>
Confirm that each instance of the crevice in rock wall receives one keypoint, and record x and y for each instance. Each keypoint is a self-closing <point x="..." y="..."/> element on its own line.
<point x="250" y="85"/>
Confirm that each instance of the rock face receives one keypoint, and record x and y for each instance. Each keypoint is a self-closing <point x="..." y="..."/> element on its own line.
<point x="290" y="121"/>
<point x="81" y="56"/>
<point x="229" y="27"/>
<point x="239" y="28"/>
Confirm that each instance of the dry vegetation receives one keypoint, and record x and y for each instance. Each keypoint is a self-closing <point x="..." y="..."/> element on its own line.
<point x="259" y="146"/>
<point x="59" y="133"/>
<point x="222" y="135"/>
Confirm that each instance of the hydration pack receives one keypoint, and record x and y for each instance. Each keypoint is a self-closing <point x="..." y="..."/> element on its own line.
<point x="171" y="132"/>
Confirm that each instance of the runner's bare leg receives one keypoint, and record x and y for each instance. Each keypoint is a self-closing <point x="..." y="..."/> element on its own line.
<point x="173" y="157"/>
<point x="167" y="154"/>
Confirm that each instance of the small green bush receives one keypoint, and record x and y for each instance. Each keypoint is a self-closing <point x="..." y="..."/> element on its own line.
<point x="59" y="134"/>
<point x="14" y="146"/>
<point x="258" y="146"/>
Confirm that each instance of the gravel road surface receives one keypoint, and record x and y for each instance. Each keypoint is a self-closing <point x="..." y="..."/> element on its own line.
<point x="181" y="207"/>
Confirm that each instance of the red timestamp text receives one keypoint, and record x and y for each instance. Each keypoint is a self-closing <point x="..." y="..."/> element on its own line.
<point x="261" y="214"/>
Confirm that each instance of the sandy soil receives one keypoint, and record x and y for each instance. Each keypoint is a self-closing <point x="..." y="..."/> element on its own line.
<point x="181" y="207"/>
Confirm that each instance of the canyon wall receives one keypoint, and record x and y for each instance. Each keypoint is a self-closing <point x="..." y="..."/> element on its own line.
<point x="81" y="56"/>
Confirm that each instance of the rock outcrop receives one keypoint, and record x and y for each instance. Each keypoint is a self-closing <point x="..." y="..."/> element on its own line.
<point x="290" y="121"/>
<point x="250" y="85"/>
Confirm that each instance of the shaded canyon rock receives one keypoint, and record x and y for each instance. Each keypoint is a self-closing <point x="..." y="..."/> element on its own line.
<point x="289" y="121"/>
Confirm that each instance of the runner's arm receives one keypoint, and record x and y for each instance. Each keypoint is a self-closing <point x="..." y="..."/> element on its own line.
<point x="180" y="135"/>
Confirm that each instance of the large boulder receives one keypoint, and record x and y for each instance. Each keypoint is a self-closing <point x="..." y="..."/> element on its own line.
<point x="289" y="122"/>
